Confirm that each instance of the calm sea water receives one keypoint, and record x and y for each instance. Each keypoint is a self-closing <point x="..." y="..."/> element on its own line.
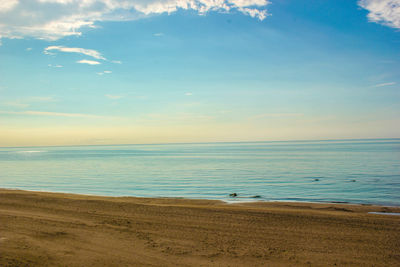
<point x="355" y="171"/>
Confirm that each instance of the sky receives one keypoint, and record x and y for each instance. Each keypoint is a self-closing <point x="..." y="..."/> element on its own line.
<point x="87" y="72"/>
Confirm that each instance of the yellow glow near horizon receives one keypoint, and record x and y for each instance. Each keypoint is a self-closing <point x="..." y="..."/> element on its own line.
<point x="146" y="134"/>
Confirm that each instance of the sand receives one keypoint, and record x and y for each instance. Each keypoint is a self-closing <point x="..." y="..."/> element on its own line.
<point x="52" y="229"/>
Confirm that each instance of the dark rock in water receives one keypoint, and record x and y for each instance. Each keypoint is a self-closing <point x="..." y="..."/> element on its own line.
<point x="233" y="195"/>
<point x="353" y="181"/>
<point x="257" y="196"/>
<point x="316" y="179"/>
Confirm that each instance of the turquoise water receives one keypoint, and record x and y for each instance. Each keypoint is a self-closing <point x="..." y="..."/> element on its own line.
<point x="355" y="171"/>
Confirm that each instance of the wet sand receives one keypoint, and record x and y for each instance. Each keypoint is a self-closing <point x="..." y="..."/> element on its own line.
<point x="51" y="229"/>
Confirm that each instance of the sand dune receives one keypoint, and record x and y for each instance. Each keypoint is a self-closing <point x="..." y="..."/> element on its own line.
<point x="49" y="229"/>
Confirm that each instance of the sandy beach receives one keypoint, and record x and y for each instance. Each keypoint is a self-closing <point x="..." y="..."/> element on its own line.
<point x="53" y="229"/>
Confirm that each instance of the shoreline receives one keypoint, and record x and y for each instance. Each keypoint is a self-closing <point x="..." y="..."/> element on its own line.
<point x="233" y="200"/>
<point x="47" y="229"/>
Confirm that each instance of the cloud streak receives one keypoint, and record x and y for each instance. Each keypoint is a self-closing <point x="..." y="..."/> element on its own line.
<point x="385" y="12"/>
<point x="26" y="102"/>
<point x="88" y="52"/>
<point x="104" y="72"/>
<point x="55" y="19"/>
<point x="55" y="66"/>
<point x="384" y="84"/>
<point x="114" y="97"/>
<point x="89" y="62"/>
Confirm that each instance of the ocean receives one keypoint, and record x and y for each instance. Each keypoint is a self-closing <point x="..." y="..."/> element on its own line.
<point x="351" y="171"/>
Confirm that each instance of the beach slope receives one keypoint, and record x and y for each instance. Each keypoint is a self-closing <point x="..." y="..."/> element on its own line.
<point x="51" y="229"/>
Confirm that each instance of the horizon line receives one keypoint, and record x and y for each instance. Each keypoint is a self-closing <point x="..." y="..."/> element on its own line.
<point x="217" y="142"/>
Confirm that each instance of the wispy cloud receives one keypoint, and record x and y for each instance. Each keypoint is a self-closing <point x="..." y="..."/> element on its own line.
<point x="384" y="84"/>
<point x="114" y="97"/>
<point x="116" y="61"/>
<point x="26" y="102"/>
<point x="55" y="19"/>
<point x="158" y="34"/>
<point x="41" y="99"/>
<point x="7" y="5"/>
<point x="16" y="104"/>
<point x="104" y="72"/>
<point x="88" y="52"/>
<point x="55" y="66"/>
<point x="188" y="94"/>
<point x="90" y="62"/>
<point x="385" y="12"/>
<point x="54" y="114"/>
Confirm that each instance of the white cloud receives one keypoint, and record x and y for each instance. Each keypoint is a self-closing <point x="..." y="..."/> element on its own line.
<point x="54" y="19"/>
<point x="386" y="12"/>
<point x="158" y="34"/>
<point x="188" y="94"/>
<point x="29" y="49"/>
<point x="245" y="3"/>
<point x="90" y="62"/>
<point x="384" y="84"/>
<point x="254" y="13"/>
<point x="88" y="52"/>
<point x="114" y="97"/>
<point x="116" y="61"/>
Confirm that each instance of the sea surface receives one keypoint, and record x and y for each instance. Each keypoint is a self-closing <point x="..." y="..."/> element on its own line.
<point x="354" y="171"/>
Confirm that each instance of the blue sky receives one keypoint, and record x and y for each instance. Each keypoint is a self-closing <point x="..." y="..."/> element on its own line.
<point x="108" y="72"/>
